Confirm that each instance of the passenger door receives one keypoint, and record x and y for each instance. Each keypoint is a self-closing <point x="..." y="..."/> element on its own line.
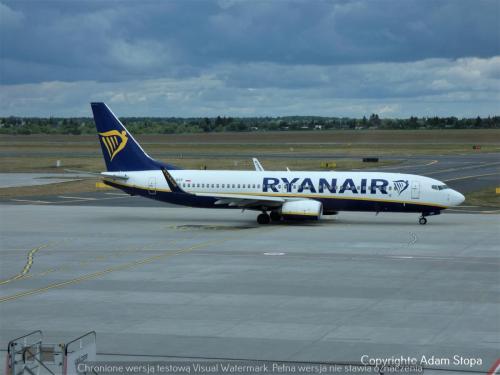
<point x="415" y="190"/>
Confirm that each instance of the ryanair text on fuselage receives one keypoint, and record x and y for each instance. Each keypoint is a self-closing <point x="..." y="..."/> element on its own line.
<point x="322" y="185"/>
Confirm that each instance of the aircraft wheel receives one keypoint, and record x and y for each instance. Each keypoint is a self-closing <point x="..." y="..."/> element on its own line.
<point x="422" y="221"/>
<point x="275" y="216"/>
<point x="263" y="218"/>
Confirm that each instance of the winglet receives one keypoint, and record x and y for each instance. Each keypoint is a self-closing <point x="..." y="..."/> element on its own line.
<point x="258" y="166"/>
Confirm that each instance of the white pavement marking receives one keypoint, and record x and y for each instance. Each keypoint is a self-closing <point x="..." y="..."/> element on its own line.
<point x="466" y="177"/>
<point x="410" y="165"/>
<point x="466" y="167"/>
<point x="29" y="201"/>
<point x="82" y="198"/>
<point x="475" y="211"/>
<point x="34" y="179"/>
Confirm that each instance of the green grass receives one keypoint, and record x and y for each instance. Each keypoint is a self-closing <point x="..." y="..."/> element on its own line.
<point x="47" y="164"/>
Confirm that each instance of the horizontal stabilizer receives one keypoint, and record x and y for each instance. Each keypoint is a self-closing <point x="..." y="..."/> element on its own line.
<point x="88" y="174"/>
<point x="114" y="176"/>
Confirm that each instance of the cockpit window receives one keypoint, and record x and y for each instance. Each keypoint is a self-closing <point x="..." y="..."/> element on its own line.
<point x="440" y="187"/>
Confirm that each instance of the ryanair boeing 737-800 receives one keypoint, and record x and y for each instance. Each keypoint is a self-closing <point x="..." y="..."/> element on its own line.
<point x="276" y="194"/>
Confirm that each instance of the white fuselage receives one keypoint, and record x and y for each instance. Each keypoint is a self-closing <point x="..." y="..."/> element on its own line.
<point x="366" y="186"/>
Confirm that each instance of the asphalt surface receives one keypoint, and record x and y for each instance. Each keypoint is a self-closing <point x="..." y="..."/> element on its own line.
<point x="33" y="179"/>
<point x="191" y="283"/>
<point x="465" y="173"/>
<point x="164" y="282"/>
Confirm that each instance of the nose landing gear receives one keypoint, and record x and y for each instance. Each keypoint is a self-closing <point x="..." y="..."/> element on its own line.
<point x="422" y="220"/>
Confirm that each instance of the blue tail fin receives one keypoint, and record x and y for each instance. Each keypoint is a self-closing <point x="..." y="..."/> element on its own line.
<point x="121" y="151"/>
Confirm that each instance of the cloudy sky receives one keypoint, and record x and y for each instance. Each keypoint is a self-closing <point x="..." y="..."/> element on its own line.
<point x="251" y="58"/>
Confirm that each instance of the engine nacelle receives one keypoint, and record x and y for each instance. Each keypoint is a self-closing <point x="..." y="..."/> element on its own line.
<point x="302" y="209"/>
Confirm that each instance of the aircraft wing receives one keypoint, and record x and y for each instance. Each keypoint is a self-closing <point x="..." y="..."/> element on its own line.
<point x="248" y="201"/>
<point x="234" y="200"/>
<point x="257" y="165"/>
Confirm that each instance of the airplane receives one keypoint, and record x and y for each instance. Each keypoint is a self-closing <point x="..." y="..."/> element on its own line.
<point x="277" y="195"/>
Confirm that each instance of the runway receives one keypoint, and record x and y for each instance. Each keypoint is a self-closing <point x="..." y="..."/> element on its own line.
<point x="188" y="283"/>
<point x="465" y="173"/>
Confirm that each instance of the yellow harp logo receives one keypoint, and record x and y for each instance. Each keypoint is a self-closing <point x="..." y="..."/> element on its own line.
<point x="114" y="141"/>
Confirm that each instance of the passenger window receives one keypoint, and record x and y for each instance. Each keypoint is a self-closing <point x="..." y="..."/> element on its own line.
<point x="234" y="186"/>
<point x="258" y="186"/>
<point x="238" y="186"/>
<point x="217" y="186"/>
<point x="253" y="186"/>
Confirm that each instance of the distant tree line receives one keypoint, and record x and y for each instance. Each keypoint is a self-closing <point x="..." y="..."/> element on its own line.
<point x="160" y="125"/>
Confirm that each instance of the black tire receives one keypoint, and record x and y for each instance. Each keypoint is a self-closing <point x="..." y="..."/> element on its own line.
<point x="263" y="219"/>
<point x="275" y="216"/>
<point x="422" y="221"/>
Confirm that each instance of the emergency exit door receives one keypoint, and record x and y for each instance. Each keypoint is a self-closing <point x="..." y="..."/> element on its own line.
<point x="152" y="186"/>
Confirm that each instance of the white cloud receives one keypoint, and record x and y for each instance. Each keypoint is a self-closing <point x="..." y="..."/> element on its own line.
<point x="463" y="87"/>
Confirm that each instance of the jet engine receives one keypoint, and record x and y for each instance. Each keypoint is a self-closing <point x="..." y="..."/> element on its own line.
<point x="302" y="209"/>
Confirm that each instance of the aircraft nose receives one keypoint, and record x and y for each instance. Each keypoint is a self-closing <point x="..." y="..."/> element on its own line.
<point x="456" y="198"/>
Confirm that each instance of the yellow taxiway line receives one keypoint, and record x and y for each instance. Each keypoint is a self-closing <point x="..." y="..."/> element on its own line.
<point x="27" y="266"/>
<point x="111" y="269"/>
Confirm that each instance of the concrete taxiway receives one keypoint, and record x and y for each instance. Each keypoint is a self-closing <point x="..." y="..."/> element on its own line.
<point x="188" y="283"/>
<point x="32" y="179"/>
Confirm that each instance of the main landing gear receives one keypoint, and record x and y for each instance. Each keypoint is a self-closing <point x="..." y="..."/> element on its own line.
<point x="422" y="220"/>
<point x="263" y="218"/>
